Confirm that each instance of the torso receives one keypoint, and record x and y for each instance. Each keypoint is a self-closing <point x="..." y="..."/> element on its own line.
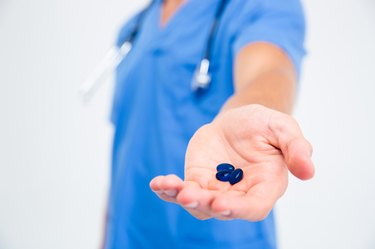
<point x="155" y="114"/>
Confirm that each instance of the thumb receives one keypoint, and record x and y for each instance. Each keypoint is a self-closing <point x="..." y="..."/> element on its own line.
<point x="297" y="151"/>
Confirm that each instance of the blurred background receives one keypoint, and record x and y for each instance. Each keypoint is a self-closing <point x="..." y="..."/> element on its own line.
<point x="55" y="151"/>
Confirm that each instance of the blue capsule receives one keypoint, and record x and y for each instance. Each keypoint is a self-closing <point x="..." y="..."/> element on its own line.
<point x="235" y="176"/>
<point x="225" y="166"/>
<point x="223" y="175"/>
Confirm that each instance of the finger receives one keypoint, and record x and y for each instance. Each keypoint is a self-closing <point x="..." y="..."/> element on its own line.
<point x="167" y="187"/>
<point x="155" y="183"/>
<point x="299" y="158"/>
<point x="252" y="206"/>
<point x="287" y="136"/>
<point x="196" y="200"/>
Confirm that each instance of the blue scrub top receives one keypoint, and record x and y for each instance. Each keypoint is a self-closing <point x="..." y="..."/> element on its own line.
<point x="155" y="113"/>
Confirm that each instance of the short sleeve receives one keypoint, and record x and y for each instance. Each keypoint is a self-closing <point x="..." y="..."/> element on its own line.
<point x="280" y="22"/>
<point x="125" y="30"/>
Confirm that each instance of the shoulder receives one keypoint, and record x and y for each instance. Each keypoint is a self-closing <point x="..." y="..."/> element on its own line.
<point x="240" y="10"/>
<point x="246" y="5"/>
<point x="279" y="22"/>
<point x="126" y="28"/>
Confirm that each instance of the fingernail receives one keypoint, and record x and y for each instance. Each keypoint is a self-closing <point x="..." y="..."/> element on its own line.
<point x="159" y="192"/>
<point x="171" y="193"/>
<point x="226" y="213"/>
<point x="193" y="204"/>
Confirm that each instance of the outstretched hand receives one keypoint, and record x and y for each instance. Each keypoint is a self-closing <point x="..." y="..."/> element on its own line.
<point x="263" y="142"/>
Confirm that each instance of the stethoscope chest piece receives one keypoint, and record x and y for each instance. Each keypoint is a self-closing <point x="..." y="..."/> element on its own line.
<point x="202" y="78"/>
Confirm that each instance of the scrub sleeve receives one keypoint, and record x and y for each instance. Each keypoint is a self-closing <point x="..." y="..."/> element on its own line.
<point x="280" y="23"/>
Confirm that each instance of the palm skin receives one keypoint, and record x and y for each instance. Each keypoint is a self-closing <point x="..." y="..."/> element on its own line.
<point x="262" y="142"/>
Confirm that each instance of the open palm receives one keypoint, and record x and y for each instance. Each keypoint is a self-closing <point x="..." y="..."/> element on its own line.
<point x="262" y="142"/>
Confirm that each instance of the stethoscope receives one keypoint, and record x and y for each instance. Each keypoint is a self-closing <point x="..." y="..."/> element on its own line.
<point x="201" y="78"/>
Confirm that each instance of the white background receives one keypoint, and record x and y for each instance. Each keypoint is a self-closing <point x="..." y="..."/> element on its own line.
<point x="55" y="152"/>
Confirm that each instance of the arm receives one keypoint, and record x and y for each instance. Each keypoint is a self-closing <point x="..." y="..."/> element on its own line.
<point x="263" y="75"/>
<point x="253" y="133"/>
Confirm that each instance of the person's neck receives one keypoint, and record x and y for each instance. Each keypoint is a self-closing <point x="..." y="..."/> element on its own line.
<point x="169" y="7"/>
<point x="176" y="2"/>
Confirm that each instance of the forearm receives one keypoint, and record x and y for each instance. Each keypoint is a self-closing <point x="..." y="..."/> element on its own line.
<point x="275" y="90"/>
<point x="265" y="75"/>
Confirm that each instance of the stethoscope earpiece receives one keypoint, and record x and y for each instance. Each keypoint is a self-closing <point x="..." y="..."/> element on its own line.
<point x="125" y="48"/>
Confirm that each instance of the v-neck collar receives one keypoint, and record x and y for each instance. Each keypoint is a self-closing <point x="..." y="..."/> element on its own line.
<point x="175" y="18"/>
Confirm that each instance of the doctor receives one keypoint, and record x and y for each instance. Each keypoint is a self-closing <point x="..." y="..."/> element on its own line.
<point x="206" y="82"/>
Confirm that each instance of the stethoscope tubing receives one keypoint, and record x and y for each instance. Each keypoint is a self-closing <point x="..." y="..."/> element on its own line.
<point x="201" y="78"/>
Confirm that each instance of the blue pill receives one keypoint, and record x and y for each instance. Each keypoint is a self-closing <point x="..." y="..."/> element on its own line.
<point x="235" y="176"/>
<point x="225" y="166"/>
<point x="223" y="175"/>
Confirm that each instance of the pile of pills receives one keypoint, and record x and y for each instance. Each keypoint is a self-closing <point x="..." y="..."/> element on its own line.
<point x="227" y="173"/>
